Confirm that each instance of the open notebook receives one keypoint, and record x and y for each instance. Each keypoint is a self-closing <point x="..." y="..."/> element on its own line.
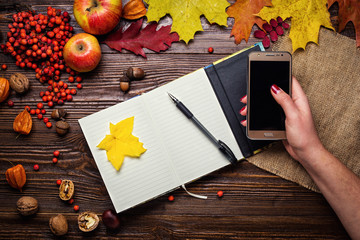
<point x="177" y="151"/>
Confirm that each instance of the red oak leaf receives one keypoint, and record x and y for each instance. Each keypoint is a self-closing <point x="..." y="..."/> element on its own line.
<point x="134" y="39"/>
<point x="349" y="11"/>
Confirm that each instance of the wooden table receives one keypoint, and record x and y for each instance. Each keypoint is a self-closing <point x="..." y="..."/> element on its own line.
<point x="256" y="204"/>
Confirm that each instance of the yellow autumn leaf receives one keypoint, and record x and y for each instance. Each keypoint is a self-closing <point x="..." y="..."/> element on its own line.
<point x="306" y="18"/>
<point x="186" y="14"/>
<point x="121" y="143"/>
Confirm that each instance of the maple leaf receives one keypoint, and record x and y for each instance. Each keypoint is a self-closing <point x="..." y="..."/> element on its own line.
<point x="186" y="14"/>
<point x="349" y="11"/>
<point x="134" y="39"/>
<point x="121" y="143"/>
<point x="243" y="12"/>
<point x="306" y="18"/>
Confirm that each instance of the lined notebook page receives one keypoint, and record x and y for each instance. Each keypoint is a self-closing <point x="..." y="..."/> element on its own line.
<point x="139" y="179"/>
<point x="192" y="154"/>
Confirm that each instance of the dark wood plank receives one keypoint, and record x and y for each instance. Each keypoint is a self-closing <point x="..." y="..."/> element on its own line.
<point x="256" y="204"/>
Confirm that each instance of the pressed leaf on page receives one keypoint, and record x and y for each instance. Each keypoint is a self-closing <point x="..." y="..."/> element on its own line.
<point x="306" y="18"/>
<point x="243" y="12"/>
<point x="186" y="14"/>
<point x="135" y="39"/>
<point x="121" y="143"/>
<point x="349" y="11"/>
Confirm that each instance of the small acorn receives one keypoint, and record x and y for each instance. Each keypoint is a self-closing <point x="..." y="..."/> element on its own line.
<point x="135" y="73"/>
<point x="58" y="113"/>
<point x="62" y="127"/>
<point x="124" y="83"/>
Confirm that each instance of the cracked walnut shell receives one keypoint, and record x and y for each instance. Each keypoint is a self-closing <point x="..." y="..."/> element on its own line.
<point x="66" y="190"/>
<point x="88" y="221"/>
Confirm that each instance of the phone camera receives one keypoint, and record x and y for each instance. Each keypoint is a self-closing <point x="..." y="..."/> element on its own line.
<point x="282" y="54"/>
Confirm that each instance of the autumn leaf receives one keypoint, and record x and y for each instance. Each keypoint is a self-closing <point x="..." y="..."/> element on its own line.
<point x="134" y="39"/>
<point x="243" y="12"/>
<point x="121" y="143"/>
<point x="186" y="14"/>
<point x="306" y="18"/>
<point x="349" y="11"/>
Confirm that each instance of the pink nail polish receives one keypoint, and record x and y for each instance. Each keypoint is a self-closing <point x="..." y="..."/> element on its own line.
<point x="242" y="121"/>
<point x="242" y="98"/>
<point x="275" y="89"/>
<point x="242" y="109"/>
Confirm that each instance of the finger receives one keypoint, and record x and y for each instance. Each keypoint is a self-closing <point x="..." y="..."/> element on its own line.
<point x="244" y="99"/>
<point x="243" y="122"/>
<point x="285" y="101"/>
<point x="243" y="111"/>
<point x="298" y="95"/>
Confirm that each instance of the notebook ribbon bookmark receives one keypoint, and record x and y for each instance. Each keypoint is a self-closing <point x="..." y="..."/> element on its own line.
<point x="193" y="194"/>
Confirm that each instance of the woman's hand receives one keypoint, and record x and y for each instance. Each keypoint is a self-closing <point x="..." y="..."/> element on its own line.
<point x="302" y="139"/>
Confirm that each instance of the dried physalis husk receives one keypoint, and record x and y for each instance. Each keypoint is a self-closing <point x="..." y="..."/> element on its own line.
<point x="134" y="9"/>
<point x="66" y="190"/>
<point x="19" y="82"/>
<point x="23" y="123"/>
<point x="88" y="221"/>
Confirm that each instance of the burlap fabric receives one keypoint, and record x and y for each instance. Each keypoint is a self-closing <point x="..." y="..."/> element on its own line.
<point x="330" y="76"/>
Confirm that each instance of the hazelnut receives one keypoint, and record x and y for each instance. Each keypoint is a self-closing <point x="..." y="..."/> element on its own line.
<point x="58" y="113"/>
<point x="88" y="221"/>
<point x="111" y="219"/>
<point x="58" y="225"/>
<point x="27" y="206"/>
<point x="124" y="86"/>
<point x="62" y="127"/>
<point x="66" y="190"/>
<point x="19" y="82"/>
<point x="135" y="73"/>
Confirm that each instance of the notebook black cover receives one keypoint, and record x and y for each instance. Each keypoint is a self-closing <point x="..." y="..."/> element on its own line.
<point x="229" y="81"/>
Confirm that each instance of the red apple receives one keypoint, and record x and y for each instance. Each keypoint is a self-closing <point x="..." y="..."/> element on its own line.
<point x="82" y="52"/>
<point x="97" y="16"/>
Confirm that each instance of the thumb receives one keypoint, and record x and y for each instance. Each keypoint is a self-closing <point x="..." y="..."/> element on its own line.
<point x="284" y="100"/>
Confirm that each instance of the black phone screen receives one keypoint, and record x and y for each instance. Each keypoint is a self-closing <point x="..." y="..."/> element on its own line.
<point x="265" y="112"/>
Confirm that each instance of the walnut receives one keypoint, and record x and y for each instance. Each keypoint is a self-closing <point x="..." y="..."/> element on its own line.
<point x="58" y="225"/>
<point x="88" y="221"/>
<point x="27" y="206"/>
<point x="19" y="82"/>
<point x="66" y="190"/>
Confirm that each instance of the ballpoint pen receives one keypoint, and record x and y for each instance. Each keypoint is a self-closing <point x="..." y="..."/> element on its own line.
<point x="220" y="144"/>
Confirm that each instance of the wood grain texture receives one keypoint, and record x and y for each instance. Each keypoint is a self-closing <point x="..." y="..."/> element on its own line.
<point x="256" y="204"/>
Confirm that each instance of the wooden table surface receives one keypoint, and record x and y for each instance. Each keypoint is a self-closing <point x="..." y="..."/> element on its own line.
<point x="256" y="204"/>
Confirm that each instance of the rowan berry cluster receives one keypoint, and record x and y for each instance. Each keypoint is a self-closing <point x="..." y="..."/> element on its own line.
<point x="275" y="28"/>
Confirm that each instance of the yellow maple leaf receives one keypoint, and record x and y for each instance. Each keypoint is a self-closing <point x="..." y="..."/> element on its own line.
<point x="243" y="12"/>
<point x="306" y="18"/>
<point x="121" y="143"/>
<point x="186" y="14"/>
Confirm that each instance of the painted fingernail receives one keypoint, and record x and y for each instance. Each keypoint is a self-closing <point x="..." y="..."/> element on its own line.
<point x="242" y="98"/>
<point x="243" y="122"/>
<point x="275" y="89"/>
<point x="242" y="109"/>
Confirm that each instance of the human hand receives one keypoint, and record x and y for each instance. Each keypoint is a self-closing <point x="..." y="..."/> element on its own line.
<point x="302" y="140"/>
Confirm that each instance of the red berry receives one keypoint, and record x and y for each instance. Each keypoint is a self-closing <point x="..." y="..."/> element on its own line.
<point x="285" y="25"/>
<point x="58" y="182"/>
<point x="273" y="36"/>
<point x="279" y="19"/>
<point x="3" y="67"/>
<point x="266" y="42"/>
<point x="279" y="30"/>
<point x="69" y="98"/>
<point x="36" y="167"/>
<point x="267" y="27"/>
<point x="71" y="201"/>
<point x="76" y="208"/>
<point x="48" y="125"/>
<point x="39" y="116"/>
<point x="78" y="79"/>
<point x="46" y="120"/>
<point x="171" y="198"/>
<point x="259" y="34"/>
<point x="55" y="160"/>
<point x="56" y="153"/>
<point x="73" y="91"/>
<point x="37" y="111"/>
<point x="43" y="111"/>
<point x="50" y="103"/>
<point x="220" y="194"/>
<point x="32" y="112"/>
<point x="10" y="103"/>
<point x="40" y="105"/>
<point x="273" y="23"/>
<point x="210" y="50"/>
<point x="79" y="86"/>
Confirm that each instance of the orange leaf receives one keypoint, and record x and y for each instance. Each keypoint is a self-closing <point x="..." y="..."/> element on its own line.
<point x="349" y="11"/>
<point x="134" y="9"/>
<point x="243" y="11"/>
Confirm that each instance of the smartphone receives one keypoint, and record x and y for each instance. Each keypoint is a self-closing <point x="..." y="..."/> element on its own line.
<point x="265" y="117"/>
